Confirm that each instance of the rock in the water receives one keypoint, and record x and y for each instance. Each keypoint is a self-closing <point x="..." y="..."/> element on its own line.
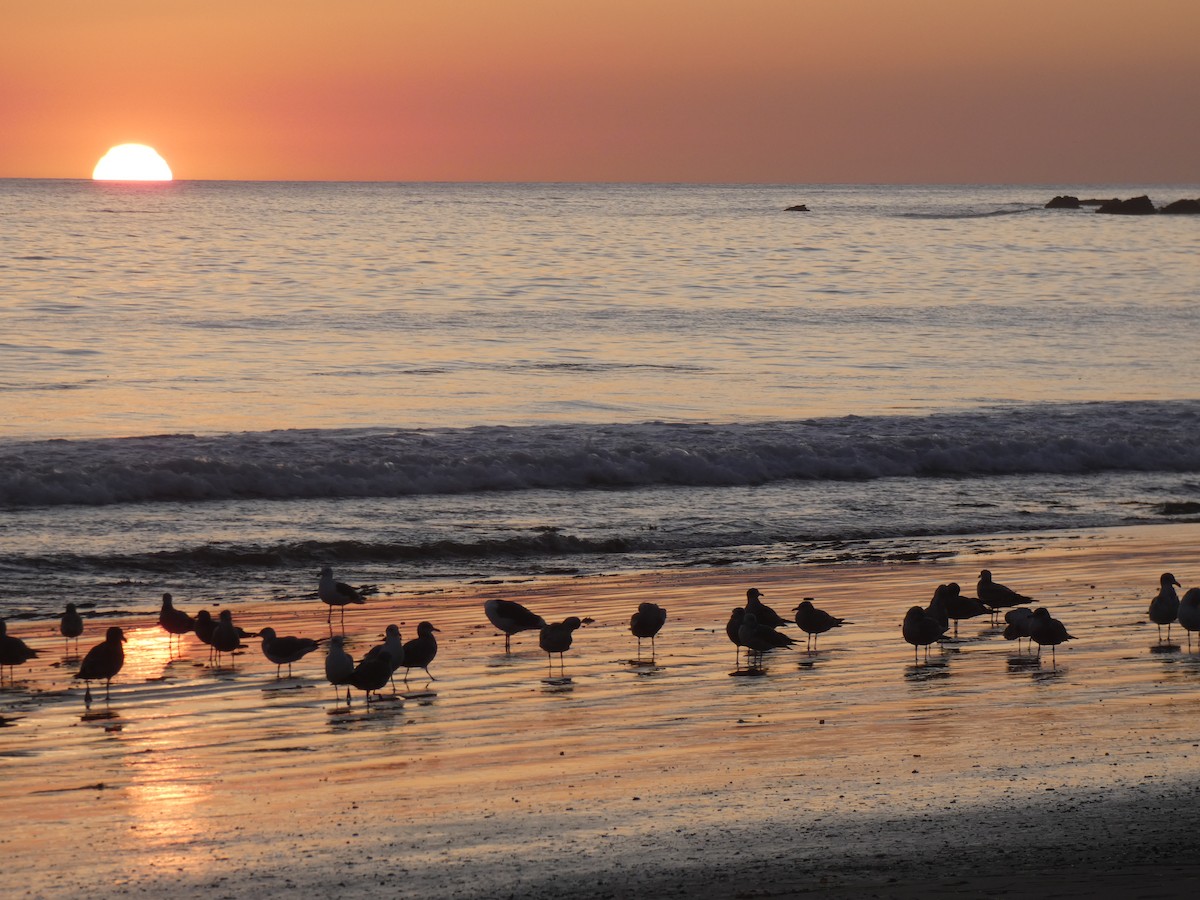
<point x="1182" y="208"/>
<point x="1134" y="206"/>
<point x="1063" y="201"/>
<point x="799" y="207"/>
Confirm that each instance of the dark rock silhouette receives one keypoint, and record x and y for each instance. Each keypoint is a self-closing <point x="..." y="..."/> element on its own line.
<point x="1182" y="208"/>
<point x="1134" y="206"/>
<point x="1063" y="201"/>
<point x="799" y="207"/>
<point x="1097" y="201"/>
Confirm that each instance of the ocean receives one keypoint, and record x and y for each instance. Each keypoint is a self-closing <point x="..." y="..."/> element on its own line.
<point x="215" y="388"/>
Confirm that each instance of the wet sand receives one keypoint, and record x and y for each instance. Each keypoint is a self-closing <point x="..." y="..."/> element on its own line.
<point x="848" y="771"/>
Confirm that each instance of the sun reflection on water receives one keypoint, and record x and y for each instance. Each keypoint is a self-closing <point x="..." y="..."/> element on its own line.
<point x="167" y="798"/>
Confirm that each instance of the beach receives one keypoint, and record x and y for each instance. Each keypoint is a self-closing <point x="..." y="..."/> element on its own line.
<point x="850" y="770"/>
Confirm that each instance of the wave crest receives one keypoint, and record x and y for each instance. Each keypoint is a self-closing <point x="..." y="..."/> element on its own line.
<point x="1143" y="437"/>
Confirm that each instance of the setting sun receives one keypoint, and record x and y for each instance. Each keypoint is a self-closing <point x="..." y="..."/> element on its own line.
<point x="132" y="162"/>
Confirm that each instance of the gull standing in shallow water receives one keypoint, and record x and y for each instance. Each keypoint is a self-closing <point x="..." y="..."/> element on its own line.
<point x="959" y="607"/>
<point x="1045" y="630"/>
<point x="13" y="652"/>
<point x="511" y="618"/>
<point x="733" y="631"/>
<point x="174" y="621"/>
<point x="1189" y="613"/>
<point x="997" y="596"/>
<point x="371" y="674"/>
<point x="646" y="623"/>
<point x="556" y="638"/>
<point x="813" y="621"/>
<point x="1017" y="624"/>
<point x="70" y="626"/>
<point x="762" y="613"/>
<point x="920" y="629"/>
<point x="393" y="646"/>
<point x="339" y="665"/>
<point x="227" y="637"/>
<point x="1164" y="608"/>
<point x="420" y="651"/>
<point x="759" y="639"/>
<point x="285" y="650"/>
<point x="204" y="628"/>
<point x="103" y="661"/>
<point x="337" y="593"/>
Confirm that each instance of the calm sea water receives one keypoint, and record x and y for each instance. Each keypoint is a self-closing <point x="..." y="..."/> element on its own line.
<point x="215" y="388"/>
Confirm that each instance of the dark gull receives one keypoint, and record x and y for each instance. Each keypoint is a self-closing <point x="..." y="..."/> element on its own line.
<point x="646" y="623"/>
<point x="337" y="593"/>
<point x="174" y="621"/>
<point x="921" y="630"/>
<point x="1189" y="613"/>
<point x="813" y="621"/>
<point x="1164" y="608"/>
<point x="13" y="651"/>
<point x="420" y="651"/>
<point x="285" y="650"/>
<point x="556" y="637"/>
<point x="761" y="612"/>
<point x="103" y="661"/>
<point x="1047" y="631"/>
<point x="394" y="648"/>
<point x="511" y="617"/>
<point x="70" y="626"/>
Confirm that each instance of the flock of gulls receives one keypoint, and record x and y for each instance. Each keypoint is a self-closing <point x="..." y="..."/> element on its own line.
<point x="754" y="627"/>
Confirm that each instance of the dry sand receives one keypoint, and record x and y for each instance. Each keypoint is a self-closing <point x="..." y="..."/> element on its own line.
<point x="851" y="771"/>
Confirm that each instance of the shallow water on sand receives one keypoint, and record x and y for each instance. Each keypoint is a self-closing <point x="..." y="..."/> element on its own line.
<point x="501" y="752"/>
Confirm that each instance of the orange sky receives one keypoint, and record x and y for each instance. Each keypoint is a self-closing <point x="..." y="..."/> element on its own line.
<point x="1049" y="91"/>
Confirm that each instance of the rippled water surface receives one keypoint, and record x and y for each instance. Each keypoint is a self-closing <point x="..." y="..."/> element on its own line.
<point x="205" y="383"/>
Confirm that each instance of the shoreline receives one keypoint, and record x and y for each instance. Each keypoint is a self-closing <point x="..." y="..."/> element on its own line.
<point x="848" y="770"/>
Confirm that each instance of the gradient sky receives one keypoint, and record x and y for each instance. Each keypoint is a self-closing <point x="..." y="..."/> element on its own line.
<point x="1001" y="91"/>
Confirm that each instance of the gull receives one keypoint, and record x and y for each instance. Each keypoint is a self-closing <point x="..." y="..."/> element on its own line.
<point x="1045" y="630"/>
<point x="13" y="651"/>
<point x="285" y="650"/>
<point x="204" y="627"/>
<point x="1189" y="613"/>
<point x="1164" y="608"/>
<point x="511" y="617"/>
<point x="420" y="651"/>
<point x="103" y="661"/>
<point x="339" y="665"/>
<point x="227" y="637"/>
<point x="337" y="593"/>
<point x="997" y="595"/>
<point x="372" y="674"/>
<point x="732" y="629"/>
<point x="763" y="613"/>
<point x="759" y="638"/>
<point x="646" y="623"/>
<point x="394" y="648"/>
<point x="936" y="609"/>
<point x="70" y="626"/>
<point x="556" y="638"/>
<point x="813" y="621"/>
<point x="174" y="621"/>
<point x="959" y="607"/>
<point x="1017" y="624"/>
<point x="920" y="629"/>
